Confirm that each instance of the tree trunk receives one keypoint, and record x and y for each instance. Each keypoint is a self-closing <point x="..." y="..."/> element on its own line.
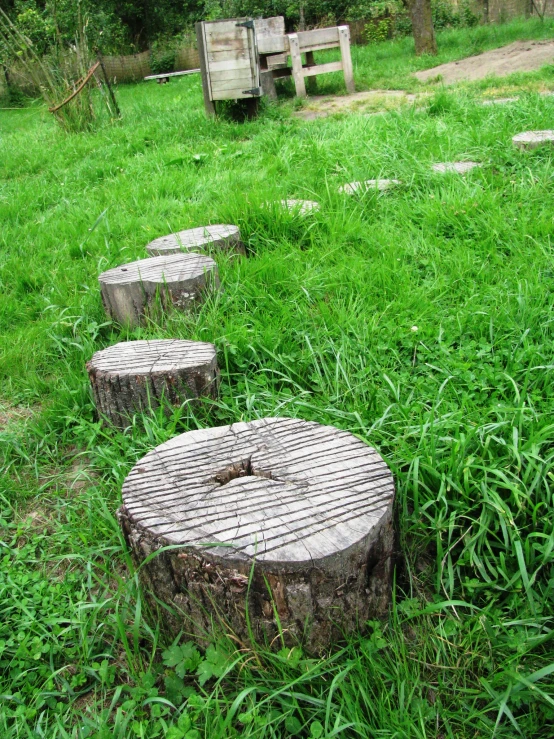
<point x="423" y="29"/>
<point x="278" y="529"/>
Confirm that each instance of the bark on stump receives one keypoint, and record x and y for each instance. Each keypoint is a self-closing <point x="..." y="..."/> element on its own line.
<point x="198" y="239"/>
<point x="368" y="186"/>
<point x="134" y="376"/>
<point x="533" y="139"/>
<point x="276" y="521"/>
<point x="179" y="280"/>
<point x="455" y="167"/>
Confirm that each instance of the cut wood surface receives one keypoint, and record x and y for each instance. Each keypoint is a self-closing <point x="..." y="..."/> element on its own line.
<point x="366" y="185"/>
<point x="178" y="280"/>
<point x="295" y="207"/>
<point x="193" y="239"/>
<point x="304" y="509"/>
<point x="134" y="376"/>
<point x="455" y="167"/>
<point x="533" y="139"/>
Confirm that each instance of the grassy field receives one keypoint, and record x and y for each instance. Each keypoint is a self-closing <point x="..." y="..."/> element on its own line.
<point x="420" y="319"/>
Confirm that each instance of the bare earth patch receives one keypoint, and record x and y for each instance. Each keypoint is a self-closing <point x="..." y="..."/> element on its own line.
<point x="13" y="414"/>
<point x="521" y="56"/>
<point x="369" y="102"/>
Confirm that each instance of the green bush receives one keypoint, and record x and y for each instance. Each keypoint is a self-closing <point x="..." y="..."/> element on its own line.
<point x="378" y="31"/>
<point x="162" y="61"/>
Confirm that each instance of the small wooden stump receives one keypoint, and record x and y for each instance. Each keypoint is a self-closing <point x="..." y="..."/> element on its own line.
<point x="455" y="167"/>
<point x="135" y="376"/>
<point x="298" y="207"/>
<point x="533" y="139"/>
<point x="198" y="239"/>
<point x="368" y="185"/>
<point x="304" y="510"/>
<point x="178" y="280"/>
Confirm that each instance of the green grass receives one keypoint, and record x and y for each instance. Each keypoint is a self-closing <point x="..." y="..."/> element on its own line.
<point x="316" y="323"/>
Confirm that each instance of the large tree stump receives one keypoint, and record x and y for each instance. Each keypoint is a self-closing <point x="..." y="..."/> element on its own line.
<point x="533" y="139"/>
<point x="198" y="239"/>
<point x="135" y="376"/>
<point x="303" y="510"/>
<point x="178" y="280"/>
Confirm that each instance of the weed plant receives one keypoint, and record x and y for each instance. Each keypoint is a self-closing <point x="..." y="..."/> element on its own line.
<point x="420" y="319"/>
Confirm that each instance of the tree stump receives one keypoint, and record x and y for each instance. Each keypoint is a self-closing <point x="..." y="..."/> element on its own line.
<point x="178" y="280"/>
<point x="198" y="239"/>
<point x="533" y="139"/>
<point x="134" y="376"/>
<point x="276" y="521"/>
<point x="368" y="185"/>
<point x="455" y="167"/>
<point x="297" y="207"/>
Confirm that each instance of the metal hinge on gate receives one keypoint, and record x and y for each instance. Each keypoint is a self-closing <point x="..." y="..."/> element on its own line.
<point x="256" y="91"/>
<point x="245" y="24"/>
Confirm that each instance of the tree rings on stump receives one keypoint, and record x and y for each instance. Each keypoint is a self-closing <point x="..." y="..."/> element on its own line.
<point x="367" y="186"/>
<point x="455" y="167"/>
<point x="178" y="280"/>
<point x="533" y="139"/>
<point x="281" y="524"/>
<point x="198" y="239"/>
<point x="134" y="376"/>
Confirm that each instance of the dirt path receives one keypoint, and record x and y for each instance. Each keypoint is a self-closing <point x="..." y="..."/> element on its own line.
<point x="521" y="56"/>
<point x="370" y="102"/>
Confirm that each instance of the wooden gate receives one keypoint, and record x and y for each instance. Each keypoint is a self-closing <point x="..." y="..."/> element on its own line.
<point x="228" y="60"/>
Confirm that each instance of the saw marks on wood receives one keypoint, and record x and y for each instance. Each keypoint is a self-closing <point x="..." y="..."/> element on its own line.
<point x="287" y="520"/>
<point x="198" y="239"/>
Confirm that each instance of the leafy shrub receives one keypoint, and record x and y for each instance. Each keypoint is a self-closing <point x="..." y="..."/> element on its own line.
<point x="162" y="61"/>
<point x="378" y="30"/>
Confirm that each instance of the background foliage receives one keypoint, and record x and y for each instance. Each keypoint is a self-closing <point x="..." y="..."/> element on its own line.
<point x="121" y="26"/>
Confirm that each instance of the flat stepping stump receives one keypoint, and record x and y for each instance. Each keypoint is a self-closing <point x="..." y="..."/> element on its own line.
<point x="135" y="376"/>
<point x="533" y="139"/>
<point x="178" y="280"/>
<point x="455" y="167"/>
<point x="368" y="185"/>
<point x="296" y="207"/>
<point x="209" y="238"/>
<point x="303" y="510"/>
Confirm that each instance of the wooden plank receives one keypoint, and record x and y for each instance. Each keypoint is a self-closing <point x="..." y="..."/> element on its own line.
<point x="319" y="47"/>
<point x="232" y="94"/>
<point x="344" y="39"/>
<point x="297" y="72"/>
<point x="225" y="26"/>
<point x="227" y="43"/>
<point x="219" y="86"/>
<point x="217" y="76"/>
<point x="272" y="44"/>
<point x="231" y="55"/>
<point x="171" y="74"/>
<point x="206" y="91"/>
<point x="229" y="64"/>
<point x="322" y="69"/>
<point x="267" y="27"/>
<point x="308" y="39"/>
<point x="276" y="61"/>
